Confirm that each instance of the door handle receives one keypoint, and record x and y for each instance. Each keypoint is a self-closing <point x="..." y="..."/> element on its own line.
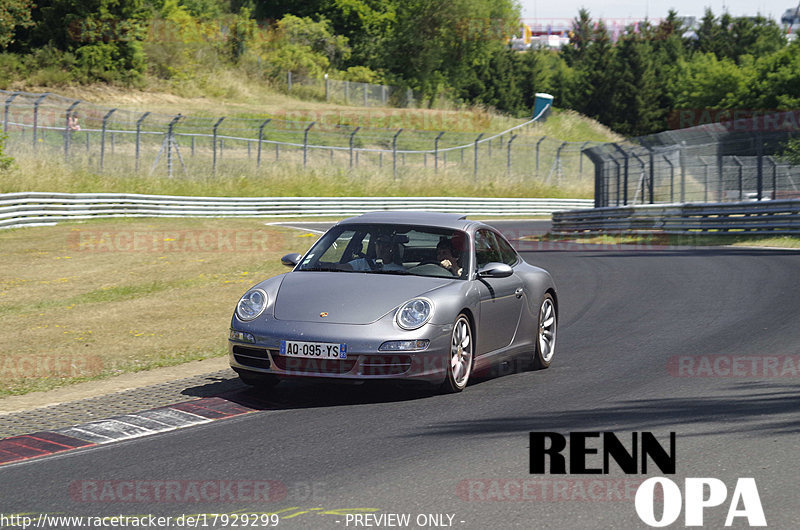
<point x="518" y="292"/>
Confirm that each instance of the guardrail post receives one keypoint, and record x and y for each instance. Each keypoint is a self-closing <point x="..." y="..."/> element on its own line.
<point x="741" y="183"/>
<point x="36" y="116"/>
<point x="537" y="153"/>
<point x="394" y="152"/>
<point x="436" y="151"/>
<point x="214" y="140"/>
<point x="671" y="178"/>
<point x="68" y="128"/>
<point x="5" y="114"/>
<point x="305" y="143"/>
<point x="508" y="156"/>
<point x="138" y="137"/>
<point x="475" y="165"/>
<point x="103" y="137"/>
<point x="261" y="139"/>
<point x="352" y="142"/>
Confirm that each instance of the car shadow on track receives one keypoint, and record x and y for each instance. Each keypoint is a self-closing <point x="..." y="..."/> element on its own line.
<point x="301" y="393"/>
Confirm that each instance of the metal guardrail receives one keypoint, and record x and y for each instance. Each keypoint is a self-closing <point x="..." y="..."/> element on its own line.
<point x="21" y="209"/>
<point x="781" y="217"/>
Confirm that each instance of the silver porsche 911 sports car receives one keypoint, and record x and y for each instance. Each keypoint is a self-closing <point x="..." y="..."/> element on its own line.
<point x="410" y="296"/>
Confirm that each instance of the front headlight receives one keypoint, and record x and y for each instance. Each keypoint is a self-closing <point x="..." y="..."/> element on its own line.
<point x="414" y="313"/>
<point x="251" y="305"/>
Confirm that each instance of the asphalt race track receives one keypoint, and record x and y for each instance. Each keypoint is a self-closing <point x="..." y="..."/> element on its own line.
<point x="701" y="342"/>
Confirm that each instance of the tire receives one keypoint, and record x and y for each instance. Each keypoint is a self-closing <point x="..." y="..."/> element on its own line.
<point x="460" y="360"/>
<point x="546" y="326"/>
<point x="263" y="381"/>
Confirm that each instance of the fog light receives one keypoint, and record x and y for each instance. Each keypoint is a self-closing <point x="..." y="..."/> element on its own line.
<point x="242" y="336"/>
<point x="404" y="345"/>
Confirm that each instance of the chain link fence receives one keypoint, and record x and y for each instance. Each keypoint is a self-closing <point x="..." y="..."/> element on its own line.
<point x="105" y="139"/>
<point x="718" y="162"/>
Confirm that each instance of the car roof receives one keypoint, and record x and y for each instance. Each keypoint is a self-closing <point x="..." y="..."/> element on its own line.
<point x="453" y="221"/>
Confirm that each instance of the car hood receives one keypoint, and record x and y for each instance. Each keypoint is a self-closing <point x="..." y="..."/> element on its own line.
<point x="347" y="297"/>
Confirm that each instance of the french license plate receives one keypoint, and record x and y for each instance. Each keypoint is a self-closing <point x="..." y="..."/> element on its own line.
<point x="313" y="350"/>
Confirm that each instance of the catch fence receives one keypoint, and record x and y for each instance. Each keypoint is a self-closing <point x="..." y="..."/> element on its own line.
<point x="718" y="162"/>
<point x="106" y="139"/>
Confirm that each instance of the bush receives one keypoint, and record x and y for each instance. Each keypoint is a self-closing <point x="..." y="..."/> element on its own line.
<point x="6" y="162"/>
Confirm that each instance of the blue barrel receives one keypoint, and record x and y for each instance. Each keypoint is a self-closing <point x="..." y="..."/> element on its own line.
<point x="543" y="101"/>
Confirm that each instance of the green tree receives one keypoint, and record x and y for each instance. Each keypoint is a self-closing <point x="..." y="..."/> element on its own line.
<point x="14" y="14"/>
<point x="634" y="107"/>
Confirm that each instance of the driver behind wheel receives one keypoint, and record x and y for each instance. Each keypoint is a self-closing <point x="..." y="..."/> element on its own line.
<point x="449" y="256"/>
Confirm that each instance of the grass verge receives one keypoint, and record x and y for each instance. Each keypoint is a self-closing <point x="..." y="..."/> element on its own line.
<point x="95" y="299"/>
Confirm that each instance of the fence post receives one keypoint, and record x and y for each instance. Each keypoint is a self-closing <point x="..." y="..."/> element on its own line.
<point x="537" y="153"/>
<point x="625" y="177"/>
<point x="394" y="152"/>
<point x="36" y="116"/>
<point x="138" y="137"/>
<point x="436" y="151"/>
<point x="774" y="177"/>
<point x="508" y="157"/>
<point x="652" y="174"/>
<point x="365" y="94"/>
<point x="352" y="141"/>
<point x="68" y="129"/>
<point x="289" y="79"/>
<point x="383" y="95"/>
<point x="475" y="163"/>
<point x="305" y="143"/>
<point x="741" y="183"/>
<point x="170" y="140"/>
<point x="327" y="89"/>
<point x="347" y="92"/>
<point x="103" y="137"/>
<point x="5" y="115"/>
<point x="261" y="139"/>
<point x="214" y="143"/>
<point x="759" y="167"/>
<point x="558" y="161"/>
<point x="580" y="158"/>
<point x="671" y="178"/>
<point x="619" y="174"/>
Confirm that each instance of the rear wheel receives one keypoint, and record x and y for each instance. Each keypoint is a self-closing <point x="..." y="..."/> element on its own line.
<point x="459" y="366"/>
<point x="545" y="333"/>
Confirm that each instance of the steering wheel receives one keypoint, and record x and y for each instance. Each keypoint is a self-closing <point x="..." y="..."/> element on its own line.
<point x="434" y="262"/>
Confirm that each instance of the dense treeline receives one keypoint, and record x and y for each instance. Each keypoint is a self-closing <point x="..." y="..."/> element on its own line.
<point x="631" y="82"/>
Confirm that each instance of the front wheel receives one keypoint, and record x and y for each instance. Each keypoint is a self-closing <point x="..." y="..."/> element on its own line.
<point x="459" y="365"/>
<point x="545" y="334"/>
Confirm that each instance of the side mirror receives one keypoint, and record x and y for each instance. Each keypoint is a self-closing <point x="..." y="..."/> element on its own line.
<point x="495" y="270"/>
<point x="291" y="260"/>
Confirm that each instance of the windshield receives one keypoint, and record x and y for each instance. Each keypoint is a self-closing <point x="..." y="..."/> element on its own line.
<point x="390" y="249"/>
